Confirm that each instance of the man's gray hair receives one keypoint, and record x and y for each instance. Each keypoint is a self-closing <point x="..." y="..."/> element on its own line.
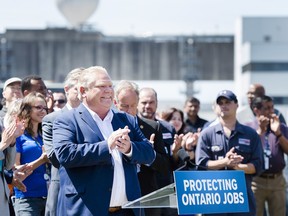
<point x="73" y="76"/>
<point x="125" y="85"/>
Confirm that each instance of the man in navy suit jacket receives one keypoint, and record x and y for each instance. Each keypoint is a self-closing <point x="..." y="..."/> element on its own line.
<point x="71" y="92"/>
<point x="98" y="150"/>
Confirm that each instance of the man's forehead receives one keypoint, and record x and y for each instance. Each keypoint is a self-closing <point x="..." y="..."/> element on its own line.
<point x="268" y="103"/>
<point x="103" y="82"/>
<point x="148" y="98"/>
<point x="192" y="103"/>
<point x="223" y="99"/>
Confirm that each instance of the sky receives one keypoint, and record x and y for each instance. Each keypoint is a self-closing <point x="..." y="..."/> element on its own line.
<point x="142" y="17"/>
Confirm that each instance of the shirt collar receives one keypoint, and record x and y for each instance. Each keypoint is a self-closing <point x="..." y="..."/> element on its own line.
<point x="69" y="107"/>
<point x="96" y="117"/>
<point x="238" y="128"/>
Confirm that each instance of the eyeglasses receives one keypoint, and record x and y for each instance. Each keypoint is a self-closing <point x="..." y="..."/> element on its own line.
<point x="41" y="108"/>
<point x="60" y="101"/>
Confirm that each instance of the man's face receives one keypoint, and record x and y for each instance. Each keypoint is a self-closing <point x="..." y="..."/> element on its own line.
<point x="12" y="92"/>
<point x="99" y="95"/>
<point x="255" y="90"/>
<point x="251" y="94"/>
<point x="227" y="108"/>
<point x="72" y="95"/>
<point x="59" y="100"/>
<point x="147" y="105"/>
<point x="268" y="108"/>
<point x="127" y="101"/>
<point x="192" y="109"/>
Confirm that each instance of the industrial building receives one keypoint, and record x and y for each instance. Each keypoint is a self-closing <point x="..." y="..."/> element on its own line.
<point x="196" y="65"/>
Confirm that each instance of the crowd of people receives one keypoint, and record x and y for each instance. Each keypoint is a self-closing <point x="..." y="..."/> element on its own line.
<point x="93" y="147"/>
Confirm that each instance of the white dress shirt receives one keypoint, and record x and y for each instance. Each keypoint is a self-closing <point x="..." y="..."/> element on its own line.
<point x="118" y="196"/>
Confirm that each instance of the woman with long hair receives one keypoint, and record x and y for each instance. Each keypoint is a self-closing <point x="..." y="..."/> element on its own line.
<point x="186" y="141"/>
<point x="175" y="117"/>
<point x="29" y="150"/>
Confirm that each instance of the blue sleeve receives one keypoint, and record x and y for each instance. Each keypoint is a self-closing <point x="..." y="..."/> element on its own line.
<point x="143" y="152"/>
<point x="257" y="158"/>
<point x="19" y="143"/>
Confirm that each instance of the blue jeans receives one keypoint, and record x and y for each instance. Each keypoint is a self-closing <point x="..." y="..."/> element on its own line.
<point x="34" y="206"/>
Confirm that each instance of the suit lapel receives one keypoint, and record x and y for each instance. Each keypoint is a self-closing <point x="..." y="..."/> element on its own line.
<point x="88" y="119"/>
<point x="140" y="123"/>
<point x="117" y="122"/>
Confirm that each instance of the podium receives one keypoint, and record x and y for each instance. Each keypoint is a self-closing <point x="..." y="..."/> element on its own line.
<point x="203" y="192"/>
<point x="162" y="198"/>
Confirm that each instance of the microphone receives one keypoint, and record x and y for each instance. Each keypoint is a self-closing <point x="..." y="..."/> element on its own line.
<point x="183" y="155"/>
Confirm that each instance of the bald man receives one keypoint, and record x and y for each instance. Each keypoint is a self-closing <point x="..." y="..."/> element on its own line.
<point x="245" y="115"/>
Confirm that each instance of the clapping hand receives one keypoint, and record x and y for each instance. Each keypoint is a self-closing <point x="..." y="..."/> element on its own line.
<point x="20" y="173"/>
<point x="190" y="140"/>
<point x="120" y="140"/>
<point x="151" y="140"/>
<point x="275" y="124"/>
<point x="233" y="159"/>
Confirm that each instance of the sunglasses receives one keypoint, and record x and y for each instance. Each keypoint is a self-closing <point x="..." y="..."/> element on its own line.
<point x="60" y="101"/>
<point x="41" y="108"/>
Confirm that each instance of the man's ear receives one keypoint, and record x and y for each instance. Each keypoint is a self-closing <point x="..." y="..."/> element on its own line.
<point x="25" y="93"/>
<point x="255" y="111"/>
<point x="66" y="88"/>
<point x="115" y="102"/>
<point x="82" y="89"/>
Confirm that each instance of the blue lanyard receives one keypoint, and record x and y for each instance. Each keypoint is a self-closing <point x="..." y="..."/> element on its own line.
<point x="267" y="146"/>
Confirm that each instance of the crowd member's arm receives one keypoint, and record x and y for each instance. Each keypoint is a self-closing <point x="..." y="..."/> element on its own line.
<point x="280" y="132"/>
<point x="248" y="168"/>
<point x="47" y="126"/>
<point x="161" y="162"/>
<point x="19" y="174"/>
<point x="34" y="164"/>
<point x="256" y="160"/>
<point x="230" y="160"/>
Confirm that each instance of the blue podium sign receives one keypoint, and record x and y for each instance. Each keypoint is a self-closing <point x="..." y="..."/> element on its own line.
<point x="211" y="192"/>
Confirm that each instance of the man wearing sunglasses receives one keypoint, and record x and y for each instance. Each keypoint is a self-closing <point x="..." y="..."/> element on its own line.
<point x="59" y="100"/>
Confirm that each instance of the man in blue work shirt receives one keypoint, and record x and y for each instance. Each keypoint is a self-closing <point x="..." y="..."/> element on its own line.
<point x="231" y="145"/>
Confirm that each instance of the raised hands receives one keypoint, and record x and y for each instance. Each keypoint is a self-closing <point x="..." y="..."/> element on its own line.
<point x="120" y="140"/>
<point x="190" y="140"/>
<point x="263" y="123"/>
<point x="275" y="124"/>
<point x="233" y="159"/>
<point x="151" y="140"/>
<point x="10" y="133"/>
<point x="20" y="173"/>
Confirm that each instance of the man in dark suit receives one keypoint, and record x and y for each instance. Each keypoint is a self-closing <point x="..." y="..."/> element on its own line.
<point x="147" y="107"/>
<point x="71" y="92"/>
<point x="98" y="150"/>
<point x="126" y="99"/>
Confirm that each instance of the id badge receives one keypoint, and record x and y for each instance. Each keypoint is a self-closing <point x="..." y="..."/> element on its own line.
<point x="266" y="162"/>
<point x="268" y="152"/>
